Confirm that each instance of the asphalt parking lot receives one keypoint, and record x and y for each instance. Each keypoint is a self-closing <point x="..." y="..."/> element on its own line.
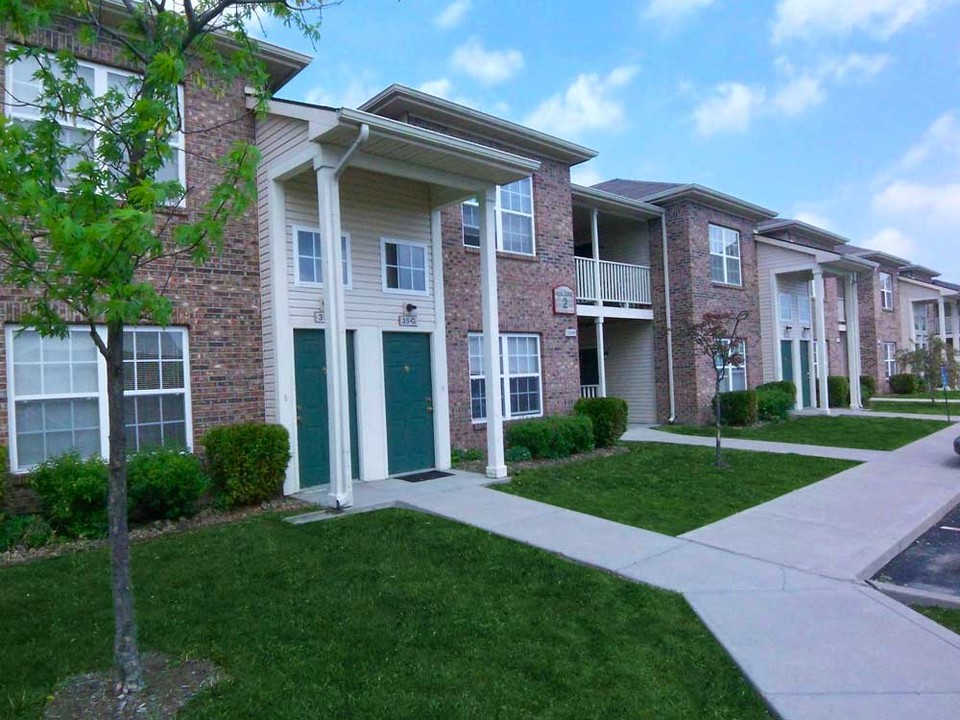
<point x="932" y="562"/>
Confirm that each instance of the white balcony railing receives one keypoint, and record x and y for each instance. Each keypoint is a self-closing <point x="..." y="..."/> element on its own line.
<point x="589" y="391"/>
<point x="619" y="282"/>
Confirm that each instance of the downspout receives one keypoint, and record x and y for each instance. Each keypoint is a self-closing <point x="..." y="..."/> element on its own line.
<point x="666" y="294"/>
<point x="362" y="138"/>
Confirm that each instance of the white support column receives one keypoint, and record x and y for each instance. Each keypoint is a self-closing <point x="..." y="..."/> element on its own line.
<point x="595" y="249"/>
<point x="822" y="346"/>
<point x="601" y="361"/>
<point x="956" y="327"/>
<point x="852" y="320"/>
<point x="942" y="319"/>
<point x="441" y="396"/>
<point x="496" y="466"/>
<point x="913" y="325"/>
<point x="338" y="407"/>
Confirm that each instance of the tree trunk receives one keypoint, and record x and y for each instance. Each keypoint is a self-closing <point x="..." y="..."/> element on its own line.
<point x="125" y="650"/>
<point x="717" y="460"/>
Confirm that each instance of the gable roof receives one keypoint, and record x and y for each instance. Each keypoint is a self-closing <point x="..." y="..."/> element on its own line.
<point x="658" y="192"/>
<point x="635" y="189"/>
<point x="882" y="257"/>
<point x="399" y="101"/>
<point x="803" y="230"/>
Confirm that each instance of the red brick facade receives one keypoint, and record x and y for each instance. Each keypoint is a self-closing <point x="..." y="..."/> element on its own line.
<point x="877" y="326"/>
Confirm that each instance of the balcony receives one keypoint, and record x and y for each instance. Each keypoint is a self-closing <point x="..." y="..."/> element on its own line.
<point x="589" y="391"/>
<point x="620" y="284"/>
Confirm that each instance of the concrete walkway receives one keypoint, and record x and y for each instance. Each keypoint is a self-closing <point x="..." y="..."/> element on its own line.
<point x="780" y="585"/>
<point x="885" y="414"/>
<point x="640" y="433"/>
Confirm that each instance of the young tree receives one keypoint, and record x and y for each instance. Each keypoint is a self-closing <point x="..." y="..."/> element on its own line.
<point x="926" y="363"/>
<point x="88" y="227"/>
<point x="717" y="336"/>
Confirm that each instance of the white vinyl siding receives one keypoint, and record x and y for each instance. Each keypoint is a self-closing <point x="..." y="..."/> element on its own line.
<point x="630" y="367"/>
<point x="890" y="358"/>
<point x="515" y="224"/>
<point x="735" y="377"/>
<point x="724" y="255"/>
<point x="520" y="376"/>
<point x="886" y="291"/>
<point x="308" y="268"/>
<point x="58" y="400"/>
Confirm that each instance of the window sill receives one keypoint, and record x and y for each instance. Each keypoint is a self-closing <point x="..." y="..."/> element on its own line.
<point x="729" y="286"/>
<point x="522" y="257"/>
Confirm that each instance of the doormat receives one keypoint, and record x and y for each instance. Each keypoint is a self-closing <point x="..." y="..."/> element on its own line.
<point x="421" y="476"/>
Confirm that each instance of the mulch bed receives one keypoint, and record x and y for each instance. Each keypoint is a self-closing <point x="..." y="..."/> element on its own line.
<point x="205" y="518"/>
<point x="480" y="466"/>
<point x="169" y="684"/>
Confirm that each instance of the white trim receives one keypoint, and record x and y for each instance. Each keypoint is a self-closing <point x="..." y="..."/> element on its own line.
<point x="426" y="269"/>
<point x="438" y="352"/>
<point x="499" y="222"/>
<point x="506" y="376"/>
<point x="295" y="231"/>
<point x="884" y="292"/>
<point x="724" y="256"/>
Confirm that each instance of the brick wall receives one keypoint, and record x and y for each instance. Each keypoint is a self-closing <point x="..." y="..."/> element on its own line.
<point x="876" y="324"/>
<point x="692" y="295"/>
<point x="219" y="302"/>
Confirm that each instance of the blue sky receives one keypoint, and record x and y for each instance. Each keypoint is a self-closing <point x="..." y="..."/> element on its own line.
<point x="844" y="113"/>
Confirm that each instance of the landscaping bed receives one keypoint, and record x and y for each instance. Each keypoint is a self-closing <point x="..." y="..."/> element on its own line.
<point x="381" y="615"/>
<point x="863" y="433"/>
<point x="670" y="489"/>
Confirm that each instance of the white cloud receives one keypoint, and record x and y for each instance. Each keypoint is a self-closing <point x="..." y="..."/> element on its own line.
<point x="453" y="14"/>
<point x="799" y="95"/>
<point x="588" y="104"/>
<point x="587" y="175"/>
<point x="672" y="11"/>
<point x="892" y="241"/>
<point x="808" y="19"/>
<point x="357" y="91"/>
<point x="942" y="139"/>
<point x="937" y="206"/>
<point x="731" y="108"/>
<point x="487" y="66"/>
<point x="440" y="87"/>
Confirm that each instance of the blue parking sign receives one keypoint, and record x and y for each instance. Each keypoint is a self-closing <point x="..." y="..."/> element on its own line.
<point x="943" y="376"/>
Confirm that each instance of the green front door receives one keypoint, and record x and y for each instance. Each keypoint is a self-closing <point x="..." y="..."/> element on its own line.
<point x="408" y="386"/>
<point x="313" y="441"/>
<point x="786" y="360"/>
<point x="805" y="372"/>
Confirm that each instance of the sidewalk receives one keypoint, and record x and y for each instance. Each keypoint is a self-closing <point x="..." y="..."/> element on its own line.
<point x="647" y="434"/>
<point x="883" y="414"/>
<point x="779" y="585"/>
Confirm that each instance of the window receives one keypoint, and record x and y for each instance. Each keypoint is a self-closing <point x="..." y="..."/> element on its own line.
<point x="58" y="396"/>
<point x="519" y="376"/>
<point x="309" y="265"/>
<point x="724" y="255"/>
<point x="515" y="228"/>
<point x="404" y="267"/>
<point x="886" y="291"/>
<point x="735" y="377"/>
<point x="890" y="358"/>
<point x="794" y="308"/>
<point x="25" y="89"/>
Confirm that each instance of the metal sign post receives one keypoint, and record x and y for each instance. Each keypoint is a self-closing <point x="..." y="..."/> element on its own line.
<point x="946" y="394"/>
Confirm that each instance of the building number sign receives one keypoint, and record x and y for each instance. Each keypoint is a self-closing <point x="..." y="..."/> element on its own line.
<point x="564" y="300"/>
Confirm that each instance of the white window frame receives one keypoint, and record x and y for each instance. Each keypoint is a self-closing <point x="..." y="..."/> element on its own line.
<point x="886" y="291"/>
<point x="101" y="393"/>
<point x="295" y="231"/>
<point x="472" y="202"/>
<point x="500" y="212"/>
<point x="426" y="266"/>
<point x="100" y="87"/>
<point x="726" y="385"/>
<point x="506" y="376"/>
<point x="724" y="256"/>
<point x="890" y="358"/>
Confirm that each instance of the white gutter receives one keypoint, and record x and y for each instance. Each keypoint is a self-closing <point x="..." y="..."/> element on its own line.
<point x="362" y="138"/>
<point x="666" y="293"/>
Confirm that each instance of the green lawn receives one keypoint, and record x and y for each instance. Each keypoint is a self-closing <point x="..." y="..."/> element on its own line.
<point x="952" y="394"/>
<point x="920" y="408"/>
<point x="384" y="615"/>
<point x="950" y="619"/>
<point x="670" y="488"/>
<point x="838" y="431"/>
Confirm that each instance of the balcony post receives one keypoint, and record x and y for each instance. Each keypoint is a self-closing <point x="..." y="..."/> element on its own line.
<point x="823" y="357"/>
<point x="601" y="361"/>
<point x="852" y="320"/>
<point x="595" y="248"/>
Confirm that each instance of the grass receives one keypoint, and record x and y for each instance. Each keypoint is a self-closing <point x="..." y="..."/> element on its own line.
<point x="925" y="395"/>
<point x="919" y="408"/>
<point x="671" y="489"/>
<point x="864" y="433"/>
<point x="950" y="619"/>
<point x="384" y="615"/>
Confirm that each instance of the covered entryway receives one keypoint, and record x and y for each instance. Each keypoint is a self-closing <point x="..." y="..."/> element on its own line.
<point x="313" y="440"/>
<point x="408" y="386"/>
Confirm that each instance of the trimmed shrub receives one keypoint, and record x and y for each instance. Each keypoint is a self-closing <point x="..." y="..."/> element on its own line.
<point x="904" y="383"/>
<point x="838" y="388"/>
<point x="609" y="416"/>
<point x="164" y="484"/>
<point x="868" y="388"/>
<point x="73" y="495"/>
<point x="738" y="407"/>
<point x="462" y="455"/>
<point x="552" y="437"/>
<point x="247" y="462"/>
<point x="785" y="386"/>
<point x="774" y="404"/>
<point x="518" y="453"/>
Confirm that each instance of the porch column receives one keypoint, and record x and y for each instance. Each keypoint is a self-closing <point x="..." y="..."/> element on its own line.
<point x="601" y="362"/>
<point x="913" y="325"/>
<point x="822" y="348"/>
<point x="496" y="467"/>
<point x="942" y="319"/>
<point x="956" y="327"/>
<point x="338" y="409"/>
<point x="595" y="248"/>
<point x="852" y="319"/>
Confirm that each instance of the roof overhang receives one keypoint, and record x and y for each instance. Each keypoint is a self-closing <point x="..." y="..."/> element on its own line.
<point x="937" y="291"/>
<point x="883" y="258"/>
<point x="398" y="102"/>
<point x="920" y="269"/>
<point x="612" y="204"/>
<point x="826" y="259"/>
<point x="804" y="230"/>
<point x="713" y="198"/>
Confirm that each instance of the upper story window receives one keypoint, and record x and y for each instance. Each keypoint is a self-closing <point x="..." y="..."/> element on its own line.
<point x="725" y="255"/>
<point x="404" y="266"/>
<point x="20" y="104"/>
<point x="308" y="268"/>
<point x="515" y="226"/>
<point x="886" y="291"/>
<point x="794" y="308"/>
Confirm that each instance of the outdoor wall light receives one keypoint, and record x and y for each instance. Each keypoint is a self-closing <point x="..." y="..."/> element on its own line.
<point x="410" y="309"/>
